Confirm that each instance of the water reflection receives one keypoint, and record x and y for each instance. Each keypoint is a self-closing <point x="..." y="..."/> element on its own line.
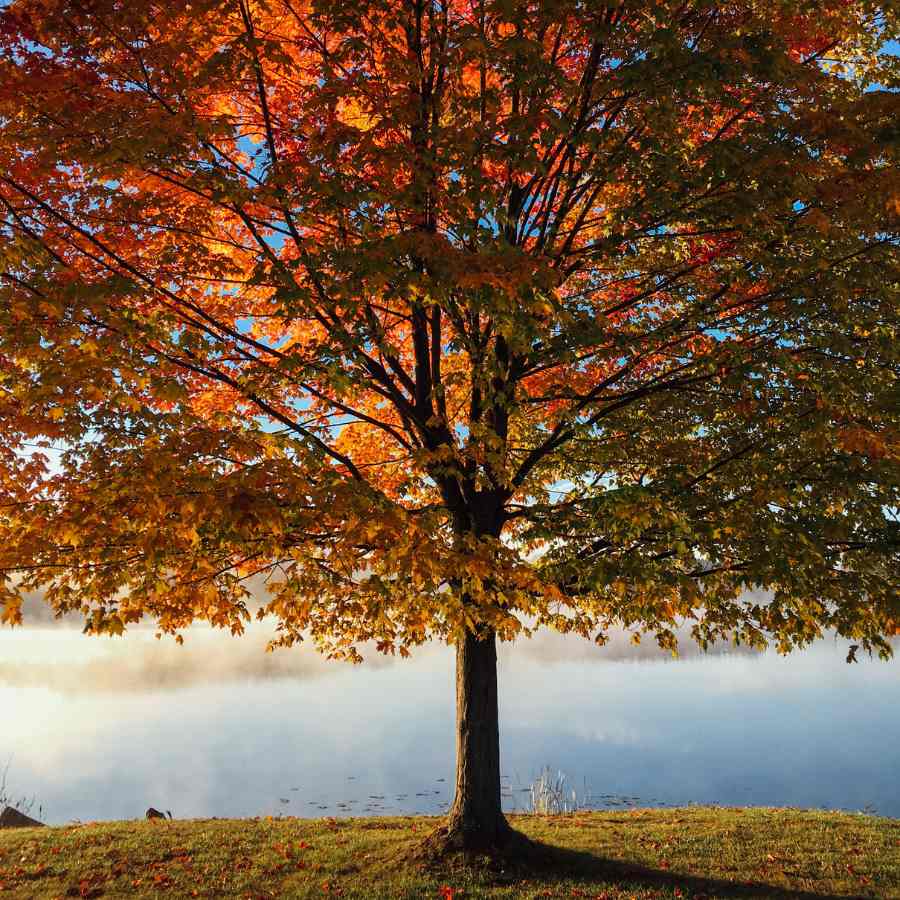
<point x="103" y="728"/>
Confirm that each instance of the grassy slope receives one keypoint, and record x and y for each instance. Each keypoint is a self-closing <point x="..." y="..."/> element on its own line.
<point x="689" y="853"/>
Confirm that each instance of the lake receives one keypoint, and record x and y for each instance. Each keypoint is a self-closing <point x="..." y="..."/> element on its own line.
<point x="102" y="728"/>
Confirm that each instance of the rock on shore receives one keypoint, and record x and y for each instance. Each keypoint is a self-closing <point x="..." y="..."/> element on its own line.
<point x="12" y="818"/>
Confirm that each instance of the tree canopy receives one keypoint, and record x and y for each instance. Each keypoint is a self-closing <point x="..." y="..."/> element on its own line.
<point x="452" y="314"/>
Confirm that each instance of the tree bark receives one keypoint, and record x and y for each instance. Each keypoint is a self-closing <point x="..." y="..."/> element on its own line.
<point x="476" y="820"/>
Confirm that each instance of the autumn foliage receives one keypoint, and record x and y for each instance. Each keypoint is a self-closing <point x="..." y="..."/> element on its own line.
<point x="440" y="315"/>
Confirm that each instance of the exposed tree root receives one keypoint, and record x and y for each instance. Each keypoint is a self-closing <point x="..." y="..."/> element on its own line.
<point x="501" y="848"/>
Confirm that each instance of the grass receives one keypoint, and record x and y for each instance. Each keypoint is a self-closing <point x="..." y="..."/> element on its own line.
<point x="686" y="853"/>
<point x="550" y="794"/>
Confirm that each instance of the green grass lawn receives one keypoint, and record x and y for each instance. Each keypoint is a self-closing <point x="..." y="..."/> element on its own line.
<point x="688" y="853"/>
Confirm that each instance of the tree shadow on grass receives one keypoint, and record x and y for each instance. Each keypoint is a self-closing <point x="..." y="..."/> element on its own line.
<point x="555" y="864"/>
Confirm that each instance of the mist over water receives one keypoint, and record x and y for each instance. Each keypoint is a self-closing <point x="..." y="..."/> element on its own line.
<point x="102" y="728"/>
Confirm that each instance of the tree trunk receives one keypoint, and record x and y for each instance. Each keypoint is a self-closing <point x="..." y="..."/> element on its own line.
<point x="476" y="821"/>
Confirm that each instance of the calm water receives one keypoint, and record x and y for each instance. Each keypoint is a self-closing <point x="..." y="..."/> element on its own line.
<point x="103" y="728"/>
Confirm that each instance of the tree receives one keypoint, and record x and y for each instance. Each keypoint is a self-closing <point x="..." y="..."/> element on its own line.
<point x="453" y="319"/>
